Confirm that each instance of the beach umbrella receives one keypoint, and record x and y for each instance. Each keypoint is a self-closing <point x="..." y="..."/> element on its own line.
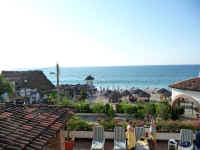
<point x="164" y="92"/>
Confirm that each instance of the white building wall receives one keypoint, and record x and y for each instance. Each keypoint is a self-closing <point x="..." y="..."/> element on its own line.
<point x="193" y="94"/>
<point x="90" y="82"/>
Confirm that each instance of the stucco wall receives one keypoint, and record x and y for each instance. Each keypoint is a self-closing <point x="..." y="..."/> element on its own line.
<point x="193" y="94"/>
<point x="57" y="143"/>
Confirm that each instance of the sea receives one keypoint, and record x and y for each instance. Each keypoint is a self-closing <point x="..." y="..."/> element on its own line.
<point x="125" y="77"/>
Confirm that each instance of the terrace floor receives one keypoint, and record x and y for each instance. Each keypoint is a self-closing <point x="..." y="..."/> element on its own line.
<point x="85" y="144"/>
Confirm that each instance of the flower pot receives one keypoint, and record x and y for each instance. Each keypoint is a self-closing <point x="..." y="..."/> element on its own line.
<point x="69" y="145"/>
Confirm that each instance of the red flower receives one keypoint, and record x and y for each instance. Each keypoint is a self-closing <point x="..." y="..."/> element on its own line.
<point x="70" y="112"/>
<point x="141" y="122"/>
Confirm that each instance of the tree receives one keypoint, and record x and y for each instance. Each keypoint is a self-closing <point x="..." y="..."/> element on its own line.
<point x="5" y="86"/>
<point x="83" y="95"/>
<point x="163" y="109"/>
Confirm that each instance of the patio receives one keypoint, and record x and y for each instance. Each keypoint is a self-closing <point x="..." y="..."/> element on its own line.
<point x="84" y="144"/>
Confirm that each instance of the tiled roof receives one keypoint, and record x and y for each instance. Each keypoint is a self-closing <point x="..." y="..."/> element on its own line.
<point x="190" y="84"/>
<point x="35" y="79"/>
<point x="29" y="128"/>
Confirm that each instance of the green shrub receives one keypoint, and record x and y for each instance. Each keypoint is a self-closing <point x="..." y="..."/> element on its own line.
<point x="77" y="124"/>
<point x="140" y="114"/>
<point x="83" y="95"/>
<point x="175" y="126"/>
<point x="107" y="107"/>
<point x="98" y="108"/>
<point x="109" y="111"/>
<point x="163" y="110"/>
<point x="150" y="108"/>
<point x="109" y="125"/>
<point x="177" y="112"/>
<point x="82" y="107"/>
<point x="127" y="108"/>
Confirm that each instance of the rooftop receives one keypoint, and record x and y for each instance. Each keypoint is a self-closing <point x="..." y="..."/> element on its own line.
<point x="89" y="78"/>
<point x="192" y="84"/>
<point x="28" y="128"/>
<point x="35" y="79"/>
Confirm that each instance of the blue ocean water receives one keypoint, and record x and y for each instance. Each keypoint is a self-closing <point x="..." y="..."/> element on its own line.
<point x="125" y="77"/>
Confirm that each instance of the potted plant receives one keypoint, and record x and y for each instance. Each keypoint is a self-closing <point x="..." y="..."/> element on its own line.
<point x="70" y="126"/>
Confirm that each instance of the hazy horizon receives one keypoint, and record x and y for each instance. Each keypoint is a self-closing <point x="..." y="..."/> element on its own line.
<point x="38" y="68"/>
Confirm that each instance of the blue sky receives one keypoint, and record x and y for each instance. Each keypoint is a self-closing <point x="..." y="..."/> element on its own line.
<point x="39" y="33"/>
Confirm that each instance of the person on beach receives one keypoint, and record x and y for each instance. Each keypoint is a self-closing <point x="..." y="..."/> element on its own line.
<point x="130" y="136"/>
<point x="153" y="134"/>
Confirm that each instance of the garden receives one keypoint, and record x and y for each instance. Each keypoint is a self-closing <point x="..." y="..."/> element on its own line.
<point x="171" y="126"/>
<point x="138" y="110"/>
<point x="167" y="118"/>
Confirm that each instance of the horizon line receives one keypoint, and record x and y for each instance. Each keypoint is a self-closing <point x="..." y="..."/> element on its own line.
<point x="101" y="66"/>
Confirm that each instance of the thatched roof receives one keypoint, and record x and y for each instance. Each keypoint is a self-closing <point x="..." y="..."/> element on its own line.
<point x="126" y="93"/>
<point x="164" y="92"/>
<point x="114" y="96"/>
<point x="89" y="78"/>
<point x="140" y="93"/>
<point x="192" y="84"/>
<point x="35" y="79"/>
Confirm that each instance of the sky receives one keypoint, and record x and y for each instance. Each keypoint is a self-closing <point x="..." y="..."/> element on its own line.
<point x="39" y="33"/>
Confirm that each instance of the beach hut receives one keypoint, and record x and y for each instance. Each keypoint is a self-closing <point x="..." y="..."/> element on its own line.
<point x="89" y="80"/>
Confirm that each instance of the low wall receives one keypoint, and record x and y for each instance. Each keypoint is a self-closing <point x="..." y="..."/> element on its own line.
<point x="110" y="135"/>
<point x="100" y="114"/>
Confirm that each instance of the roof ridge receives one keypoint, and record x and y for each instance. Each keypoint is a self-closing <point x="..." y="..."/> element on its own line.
<point x="192" y="84"/>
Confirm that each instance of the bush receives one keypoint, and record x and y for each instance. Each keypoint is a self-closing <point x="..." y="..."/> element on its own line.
<point x="66" y="102"/>
<point x="98" y="108"/>
<point x="82" y="107"/>
<point x="109" y="111"/>
<point x="177" y="112"/>
<point x="109" y="125"/>
<point x="139" y="110"/>
<point x="163" y="110"/>
<point x="150" y="108"/>
<point x="83" y="95"/>
<point x="140" y="113"/>
<point x="175" y="126"/>
<point x="77" y="124"/>
<point x="127" y="108"/>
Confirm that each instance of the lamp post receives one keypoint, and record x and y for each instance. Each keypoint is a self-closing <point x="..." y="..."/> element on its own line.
<point x="25" y="84"/>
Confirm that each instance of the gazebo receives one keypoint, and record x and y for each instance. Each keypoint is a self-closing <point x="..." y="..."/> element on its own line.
<point x="89" y="80"/>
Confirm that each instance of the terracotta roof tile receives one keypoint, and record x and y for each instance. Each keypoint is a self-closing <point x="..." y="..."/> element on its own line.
<point x="192" y="84"/>
<point x="29" y="128"/>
